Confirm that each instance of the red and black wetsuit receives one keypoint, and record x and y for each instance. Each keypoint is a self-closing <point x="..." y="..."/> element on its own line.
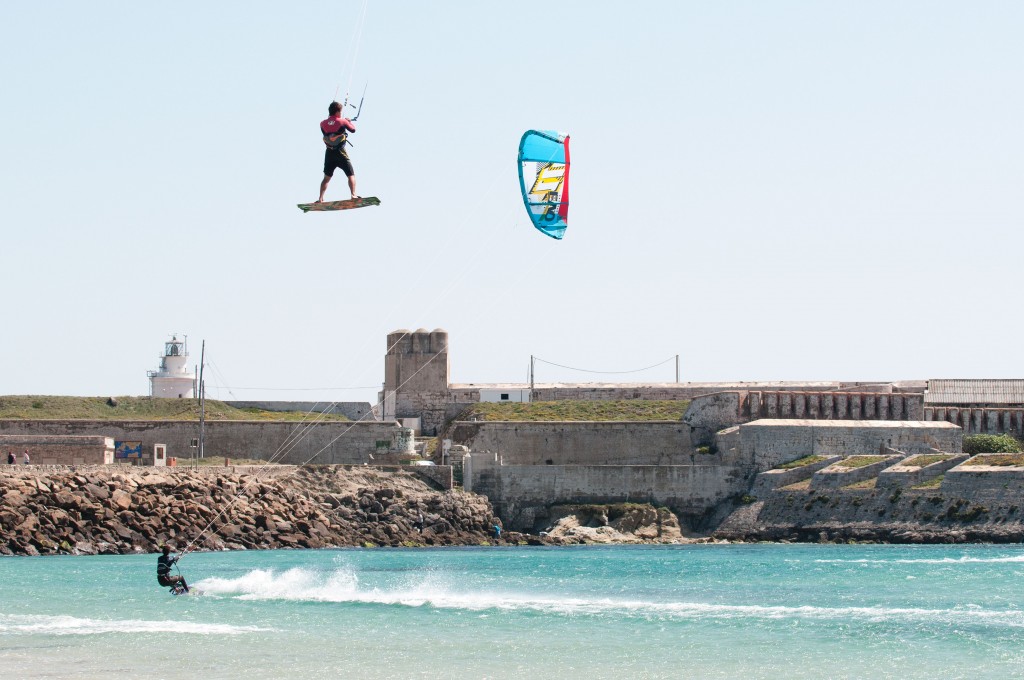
<point x="335" y="130"/>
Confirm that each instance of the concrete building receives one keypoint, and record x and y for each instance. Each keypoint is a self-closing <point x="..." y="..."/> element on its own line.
<point x="173" y="380"/>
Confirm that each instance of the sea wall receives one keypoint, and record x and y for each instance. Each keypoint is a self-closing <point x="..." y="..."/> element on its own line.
<point x="286" y="442"/>
<point x="521" y="493"/>
<point x="905" y="504"/>
<point x="115" y="509"/>
<point x="578" y="443"/>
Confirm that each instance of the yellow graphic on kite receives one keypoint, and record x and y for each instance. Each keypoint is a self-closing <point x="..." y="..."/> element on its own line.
<point x="544" y="180"/>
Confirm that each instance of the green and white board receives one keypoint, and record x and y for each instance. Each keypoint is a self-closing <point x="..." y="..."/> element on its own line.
<point x="339" y="205"/>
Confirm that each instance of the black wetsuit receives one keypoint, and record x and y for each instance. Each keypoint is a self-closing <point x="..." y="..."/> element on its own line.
<point x="163" y="572"/>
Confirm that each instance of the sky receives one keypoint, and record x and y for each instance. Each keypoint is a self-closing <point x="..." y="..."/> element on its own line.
<point x="771" y="190"/>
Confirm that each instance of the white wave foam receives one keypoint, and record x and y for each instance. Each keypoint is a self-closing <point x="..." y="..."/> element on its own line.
<point x="72" y="625"/>
<point x="342" y="586"/>
<point x="964" y="559"/>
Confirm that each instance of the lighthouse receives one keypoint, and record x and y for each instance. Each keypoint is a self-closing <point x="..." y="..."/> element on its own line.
<point x="173" y="380"/>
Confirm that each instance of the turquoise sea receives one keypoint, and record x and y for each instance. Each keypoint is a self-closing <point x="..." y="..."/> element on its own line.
<point x="702" y="611"/>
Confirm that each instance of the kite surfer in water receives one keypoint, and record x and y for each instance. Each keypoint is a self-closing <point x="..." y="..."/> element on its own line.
<point x="163" y="572"/>
<point x="335" y="130"/>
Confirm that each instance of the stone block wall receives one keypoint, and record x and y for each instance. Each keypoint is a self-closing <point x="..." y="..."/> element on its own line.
<point x="906" y="476"/>
<point x="59" y="450"/>
<point x="980" y="420"/>
<point x="765" y="482"/>
<point x="774" y="442"/>
<point x="713" y="412"/>
<point x="979" y="481"/>
<point x="578" y="443"/>
<point x="286" y="442"/>
<point x="517" y="491"/>
<point x="834" y="476"/>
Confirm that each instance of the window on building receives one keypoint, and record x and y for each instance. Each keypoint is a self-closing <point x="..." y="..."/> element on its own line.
<point x="504" y="397"/>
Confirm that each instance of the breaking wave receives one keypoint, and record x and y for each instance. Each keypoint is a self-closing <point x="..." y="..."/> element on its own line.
<point x="965" y="559"/>
<point x="342" y="586"/>
<point x="72" y="625"/>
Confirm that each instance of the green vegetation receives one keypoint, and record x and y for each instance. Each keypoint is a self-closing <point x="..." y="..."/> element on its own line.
<point x="135" y="408"/>
<point x="628" y="409"/>
<point x="925" y="459"/>
<point x="991" y="443"/>
<point x="1001" y="459"/>
<point x="933" y="483"/>
<point x="863" y="484"/>
<point x="854" y="462"/>
<point x="800" y="462"/>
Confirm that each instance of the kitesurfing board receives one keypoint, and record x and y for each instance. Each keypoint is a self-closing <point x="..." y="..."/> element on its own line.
<point x="340" y="205"/>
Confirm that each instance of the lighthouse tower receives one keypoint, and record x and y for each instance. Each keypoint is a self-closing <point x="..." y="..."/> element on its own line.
<point x="173" y="380"/>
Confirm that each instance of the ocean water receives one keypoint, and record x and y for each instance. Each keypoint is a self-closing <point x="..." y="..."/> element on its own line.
<point x="702" y="611"/>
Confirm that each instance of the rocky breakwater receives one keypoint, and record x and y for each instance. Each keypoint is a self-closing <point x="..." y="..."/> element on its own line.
<point x="117" y="510"/>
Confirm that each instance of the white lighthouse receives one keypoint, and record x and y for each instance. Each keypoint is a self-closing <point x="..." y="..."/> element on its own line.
<point x="173" y="380"/>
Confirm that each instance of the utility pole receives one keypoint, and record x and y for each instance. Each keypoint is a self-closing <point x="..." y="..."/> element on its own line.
<point x="677" y="368"/>
<point x="202" y="400"/>
<point x="531" y="377"/>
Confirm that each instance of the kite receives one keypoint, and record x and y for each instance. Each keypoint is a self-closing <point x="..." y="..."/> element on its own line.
<point x="544" y="179"/>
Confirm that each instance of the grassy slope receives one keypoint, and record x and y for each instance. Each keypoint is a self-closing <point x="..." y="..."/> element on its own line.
<point x="132" y="408"/>
<point x="630" y="409"/>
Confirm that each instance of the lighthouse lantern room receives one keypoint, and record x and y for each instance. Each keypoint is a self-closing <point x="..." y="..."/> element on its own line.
<point x="173" y="380"/>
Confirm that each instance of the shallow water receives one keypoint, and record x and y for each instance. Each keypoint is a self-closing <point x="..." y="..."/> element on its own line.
<point x="709" y="611"/>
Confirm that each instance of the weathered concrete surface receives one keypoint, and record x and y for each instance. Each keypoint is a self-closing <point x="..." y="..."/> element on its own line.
<point x="520" y="492"/>
<point x="59" y="450"/>
<point x="836" y="475"/>
<point x="285" y="442"/>
<point x="972" y="503"/>
<point x="711" y="413"/>
<point x="773" y="479"/>
<point x="984" y="420"/>
<point x="774" y="442"/>
<point x="982" y="481"/>
<point x="903" y="475"/>
<point x="579" y="443"/>
<point x="880" y="514"/>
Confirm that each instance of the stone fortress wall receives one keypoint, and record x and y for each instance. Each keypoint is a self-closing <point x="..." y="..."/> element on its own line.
<point x="57" y="450"/>
<point x="980" y="420"/>
<point x="323" y="442"/>
<point x="693" y="485"/>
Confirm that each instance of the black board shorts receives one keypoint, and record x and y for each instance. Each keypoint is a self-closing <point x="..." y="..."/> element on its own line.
<point x="337" y="159"/>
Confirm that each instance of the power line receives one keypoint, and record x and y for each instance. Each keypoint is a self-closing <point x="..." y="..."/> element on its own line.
<point x="585" y="370"/>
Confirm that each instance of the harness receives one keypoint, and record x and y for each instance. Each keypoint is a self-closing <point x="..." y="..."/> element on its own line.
<point x="336" y="141"/>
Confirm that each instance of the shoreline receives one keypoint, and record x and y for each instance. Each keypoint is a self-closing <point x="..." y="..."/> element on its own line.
<point x="88" y="510"/>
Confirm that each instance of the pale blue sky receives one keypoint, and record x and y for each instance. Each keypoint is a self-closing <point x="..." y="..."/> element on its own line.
<point x="773" y="190"/>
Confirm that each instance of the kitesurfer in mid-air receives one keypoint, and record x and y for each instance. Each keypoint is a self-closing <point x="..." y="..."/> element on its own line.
<point x="336" y="130"/>
<point x="163" y="571"/>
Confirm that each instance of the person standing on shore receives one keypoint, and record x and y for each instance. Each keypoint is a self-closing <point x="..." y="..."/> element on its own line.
<point x="25" y="459"/>
<point x="11" y="460"/>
